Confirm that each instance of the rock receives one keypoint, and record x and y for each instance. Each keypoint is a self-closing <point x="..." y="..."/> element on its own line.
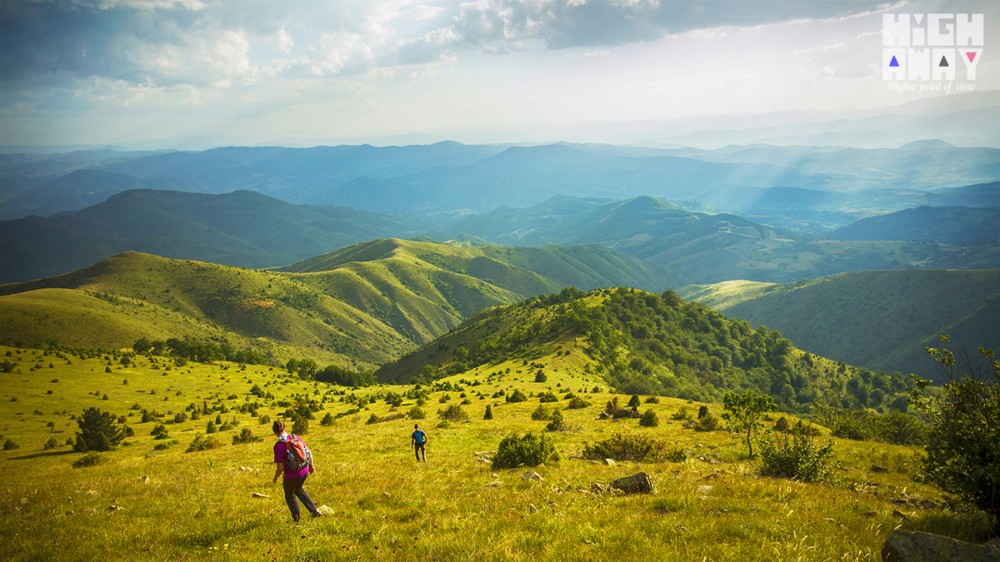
<point x="704" y="489"/>
<point x="113" y="508"/>
<point x="325" y="509"/>
<point x="638" y="483"/>
<point x="144" y="479"/>
<point x="247" y="469"/>
<point x="914" y="546"/>
<point x="494" y="484"/>
<point x="900" y="514"/>
<point x="259" y="495"/>
<point x="609" y="462"/>
<point x="532" y="508"/>
<point x="532" y="476"/>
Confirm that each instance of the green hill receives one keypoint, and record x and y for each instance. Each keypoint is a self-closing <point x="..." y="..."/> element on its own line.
<point x="878" y="319"/>
<point x="365" y="304"/>
<point x="645" y="343"/>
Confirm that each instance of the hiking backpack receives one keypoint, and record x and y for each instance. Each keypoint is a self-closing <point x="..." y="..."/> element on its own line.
<point x="297" y="455"/>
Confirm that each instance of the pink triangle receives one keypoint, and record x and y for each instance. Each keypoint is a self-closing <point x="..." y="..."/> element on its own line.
<point x="971" y="55"/>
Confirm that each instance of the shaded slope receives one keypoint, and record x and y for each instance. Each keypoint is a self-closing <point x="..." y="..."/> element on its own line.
<point x="879" y="319"/>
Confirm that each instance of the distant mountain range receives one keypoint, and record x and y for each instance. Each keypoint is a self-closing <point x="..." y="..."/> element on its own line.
<point x="451" y="178"/>
<point x="881" y="320"/>
<point x="252" y="230"/>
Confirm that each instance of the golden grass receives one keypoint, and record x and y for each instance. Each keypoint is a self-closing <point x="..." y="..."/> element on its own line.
<point x="170" y="505"/>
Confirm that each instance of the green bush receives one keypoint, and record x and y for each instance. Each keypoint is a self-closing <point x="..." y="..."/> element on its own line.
<point x="528" y="449"/>
<point x="649" y="419"/>
<point x="202" y="444"/>
<point x="453" y="413"/>
<point x="547" y="397"/>
<point x="10" y="445"/>
<point x="620" y="447"/>
<point x="577" y="403"/>
<point x="488" y="415"/>
<point x="708" y="422"/>
<point x="681" y="414"/>
<point x="963" y="447"/>
<point x="795" y="455"/>
<point x="246" y="436"/>
<point x="676" y="455"/>
<point x="517" y="396"/>
<point x="541" y="413"/>
<point x="416" y="413"/>
<point x="558" y="422"/>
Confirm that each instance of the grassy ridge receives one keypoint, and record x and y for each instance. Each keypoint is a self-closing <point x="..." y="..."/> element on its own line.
<point x="144" y="503"/>
<point x="878" y="319"/>
<point x="363" y="305"/>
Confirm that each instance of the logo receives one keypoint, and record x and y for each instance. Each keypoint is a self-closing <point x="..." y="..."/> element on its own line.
<point x="931" y="47"/>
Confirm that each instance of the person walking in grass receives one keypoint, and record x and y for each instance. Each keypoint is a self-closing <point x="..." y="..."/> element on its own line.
<point x="419" y="440"/>
<point x="294" y="475"/>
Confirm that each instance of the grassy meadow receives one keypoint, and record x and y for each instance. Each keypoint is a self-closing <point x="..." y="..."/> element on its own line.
<point x="156" y="502"/>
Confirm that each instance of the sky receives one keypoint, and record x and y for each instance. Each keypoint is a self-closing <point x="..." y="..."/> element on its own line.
<point x="202" y="73"/>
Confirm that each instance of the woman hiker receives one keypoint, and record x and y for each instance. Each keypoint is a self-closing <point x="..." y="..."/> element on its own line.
<point x="294" y="479"/>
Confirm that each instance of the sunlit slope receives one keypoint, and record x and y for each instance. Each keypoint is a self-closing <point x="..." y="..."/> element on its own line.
<point x="369" y="303"/>
<point x="879" y="319"/>
<point x="252" y="307"/>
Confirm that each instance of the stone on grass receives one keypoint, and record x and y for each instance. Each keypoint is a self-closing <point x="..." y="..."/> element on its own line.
<point x="325" y="509"/>
<point x="638" y="483"/>
<point x="494" y="484"/>
<point x="914" y="546"/>
<point x="531" y="475"/>
<point x="259" y="495"/>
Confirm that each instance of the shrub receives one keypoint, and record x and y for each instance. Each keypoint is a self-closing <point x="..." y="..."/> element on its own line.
<point x="681" y="414"/>
<point x="620" y="447"/>
<point x="547" y="397"/>
<point x="327" y="420"/>
<point x="202" y="444"/>
<point x="90" y="459"/>
<point x="372" y="419"/>
<point x="795" y="455"/>
<point x="517" y="396"/>
<point x="453" y="413"/>
<point x="246" y="436"/>
<point x="416" y="413"/>
<point x="558" y="422"/>
<point x="708" y="422"/>
<point x="577" y="403"/>
<point x="541" y="413"/>
<point x="649" y="419"/>
<point x="528" y="449"/>
<point x="963" y="447"/>
<point x="99" y="431"/>
<point x="50" y="444"/>
<point x="634" y="401"/>
<point x="160" y="432"/>
<point x="10" y="445"/>
<point x="488" y="415"/>
<point x="675" y="455"/>
<point x="540" y="376"/>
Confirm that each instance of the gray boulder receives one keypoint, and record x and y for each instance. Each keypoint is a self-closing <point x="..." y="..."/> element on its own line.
<point x="638" y="483"/>
<point x="914" y="546"/>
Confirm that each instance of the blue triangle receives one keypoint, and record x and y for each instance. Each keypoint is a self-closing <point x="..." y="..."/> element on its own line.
<point x="894" y="62"/>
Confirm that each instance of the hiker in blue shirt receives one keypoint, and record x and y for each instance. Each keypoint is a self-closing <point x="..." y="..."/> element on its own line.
<point x="418" y="439"/>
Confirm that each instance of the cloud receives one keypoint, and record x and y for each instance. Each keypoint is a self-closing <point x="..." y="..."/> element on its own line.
<point x="512" y="25"/>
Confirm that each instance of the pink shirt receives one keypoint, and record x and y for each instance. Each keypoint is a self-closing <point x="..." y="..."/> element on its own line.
<point x="280" y="454"/>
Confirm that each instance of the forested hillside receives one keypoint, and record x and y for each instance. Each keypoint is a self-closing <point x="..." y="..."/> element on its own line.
<point x="646" y="343"/>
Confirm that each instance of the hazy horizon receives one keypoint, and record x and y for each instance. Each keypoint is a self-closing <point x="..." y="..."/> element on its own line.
<point x="192" y="74"/>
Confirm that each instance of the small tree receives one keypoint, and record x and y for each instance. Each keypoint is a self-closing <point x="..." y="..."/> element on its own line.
<point x="634" y="401"/>
<point x="99" y="431"/>
<point x="963" y="450"/>
<point x="489" y="413"/>
<point x="649" y="419"/>
<point x="743" y="413"/>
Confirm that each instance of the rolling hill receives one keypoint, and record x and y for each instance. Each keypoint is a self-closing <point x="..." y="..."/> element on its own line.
<point x="698" y="248"/>
<point x="881" y="320"/>
<point x="242" y="228"/>
<point x="363" y="305"/>
<point x="645" y="343"/>
<point x="948" y="225"/>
